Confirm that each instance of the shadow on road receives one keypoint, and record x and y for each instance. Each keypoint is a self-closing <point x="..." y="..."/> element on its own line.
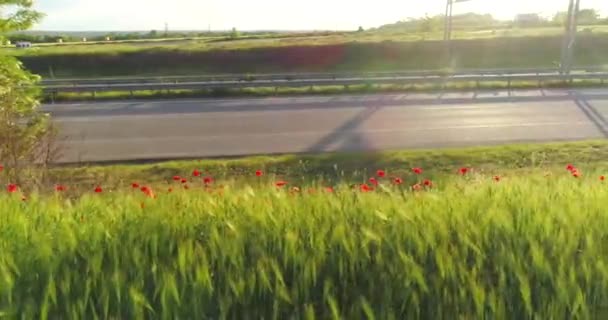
<point x="344" y="132"/>
<point x="592" y="114"/>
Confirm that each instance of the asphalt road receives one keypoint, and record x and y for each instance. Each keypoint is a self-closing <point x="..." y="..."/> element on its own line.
<point x="150" y="130"/>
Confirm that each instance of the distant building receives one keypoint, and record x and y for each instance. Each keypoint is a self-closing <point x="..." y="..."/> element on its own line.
<point x="108" y="39"/>
<point x="23" y="44"/>
<point x="59" y="40"/>
<point x="84" y="39"/>
<point x="528" y="20"/>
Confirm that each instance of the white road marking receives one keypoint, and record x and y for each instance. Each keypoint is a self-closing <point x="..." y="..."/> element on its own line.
<point x="323" y="133"/>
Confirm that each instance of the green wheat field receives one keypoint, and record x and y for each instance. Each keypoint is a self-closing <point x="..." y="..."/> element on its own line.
<point x="464" y="246"/>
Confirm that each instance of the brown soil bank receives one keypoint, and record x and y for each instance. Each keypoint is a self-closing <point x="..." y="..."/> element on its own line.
<point x="385" y="56"/>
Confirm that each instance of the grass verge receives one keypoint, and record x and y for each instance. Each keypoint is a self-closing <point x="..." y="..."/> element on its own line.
<point x="349" y="167"/>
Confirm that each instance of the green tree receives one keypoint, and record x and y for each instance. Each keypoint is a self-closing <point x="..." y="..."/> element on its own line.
<point x="560" y="18"/>
<point x="427" y="24"/>
<point x="21" y="18"/>
<point x="588" y="16"/>
<point x="585" y="17"/>
<point x="234" y="34"/>
<point x="23" y="128"/>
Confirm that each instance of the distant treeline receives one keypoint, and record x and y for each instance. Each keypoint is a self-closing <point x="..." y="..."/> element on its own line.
<point x="487" y="21"/>
<point x="42" y="37"/>
<point x="119" y="36"/>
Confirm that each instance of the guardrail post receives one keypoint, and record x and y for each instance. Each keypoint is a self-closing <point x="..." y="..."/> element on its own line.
<point x="93" y="95"/>
<point x="509" y="84"/>
<point x="131" y="94"/>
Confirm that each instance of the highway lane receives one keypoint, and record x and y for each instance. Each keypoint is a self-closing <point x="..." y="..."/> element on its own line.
<point x="142" y="130"/>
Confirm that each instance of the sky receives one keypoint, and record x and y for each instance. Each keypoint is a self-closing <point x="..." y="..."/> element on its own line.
<point x="124" y="15"/>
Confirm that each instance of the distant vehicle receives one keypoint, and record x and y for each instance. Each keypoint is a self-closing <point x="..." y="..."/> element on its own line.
<point x="23" y="45"/>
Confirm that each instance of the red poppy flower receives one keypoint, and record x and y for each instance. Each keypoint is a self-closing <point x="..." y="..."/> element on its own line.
<point x="280" y="183"/>
<point x="463" y="170"/>
<point x="98" y="189"/>
<point x="259" y="173"/>
<point x="570" y="167"/>
<point x="177" y="178"/>
<point x="397" y="181"/>
<point x="60" y="188"/>
<point x="12" y="188"/>
<point x="428" y="183"/>
<point x="417" y="187"/>
<point x="373" y="181"/>
<point x="417" y="170"/>
<point x="381" y="173"/>
<point x="1" y="168"/>
<point x="208" y="180"/>
<point x="576" y="173"/>
<point x="135" y="185"/>
<point x="366" y="188"/>
<point x="196" y="173"/>
<point x="602" y="178"/>
<point x="184" y="180"/>
<point x="329" y="189"/>
<point x="497" y="178"/>
<point x="148" y="192"/>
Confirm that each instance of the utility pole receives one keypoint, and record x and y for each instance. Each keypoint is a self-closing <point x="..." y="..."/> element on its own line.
<point x="446" y="27"/>
<point x="567" y="37"/>
<point x="570" y="37"/>
<point x="447" y="32"/>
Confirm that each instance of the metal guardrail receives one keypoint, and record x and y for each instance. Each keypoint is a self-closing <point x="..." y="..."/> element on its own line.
<point x="311" y="80"/>
<point x="307" y="76"/>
